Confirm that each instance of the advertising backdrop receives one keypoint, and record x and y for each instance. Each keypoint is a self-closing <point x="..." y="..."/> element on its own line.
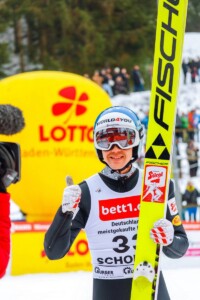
<point x="28" y="255"/>
<point x="59" y="110"/>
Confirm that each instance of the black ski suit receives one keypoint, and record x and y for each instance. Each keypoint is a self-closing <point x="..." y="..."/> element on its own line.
<point x="63" y="231"/>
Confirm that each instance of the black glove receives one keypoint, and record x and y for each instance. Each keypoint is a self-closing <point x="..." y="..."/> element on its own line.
<point x="8" y="173"/>
<point x="2" y="187"/>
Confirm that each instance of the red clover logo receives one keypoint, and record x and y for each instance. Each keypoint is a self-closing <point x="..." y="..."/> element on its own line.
<point x="73" y="103"/>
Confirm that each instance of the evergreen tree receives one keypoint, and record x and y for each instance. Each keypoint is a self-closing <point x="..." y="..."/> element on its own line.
<point x="81" y="35"/>
<point x="193" y="24"/>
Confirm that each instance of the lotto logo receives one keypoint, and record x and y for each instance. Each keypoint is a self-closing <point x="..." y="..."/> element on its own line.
<point x="119" y="208"/>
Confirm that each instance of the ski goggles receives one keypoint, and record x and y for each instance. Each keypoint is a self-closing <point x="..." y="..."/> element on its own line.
<point x="125" y="138"/>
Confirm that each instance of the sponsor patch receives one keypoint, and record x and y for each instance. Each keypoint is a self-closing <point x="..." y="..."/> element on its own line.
<point x="154" y="184"/>
<point x="119" y="208"/>
<point x="172" y="206"/>
<point x="176" y="221"/>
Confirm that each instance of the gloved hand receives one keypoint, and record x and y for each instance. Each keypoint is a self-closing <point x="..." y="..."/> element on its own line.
<point x="71" y="198"/>
<point x="162" y="232"/>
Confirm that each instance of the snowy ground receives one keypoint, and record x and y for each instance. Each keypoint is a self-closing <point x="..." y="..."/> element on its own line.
<point x="182" y="283"/>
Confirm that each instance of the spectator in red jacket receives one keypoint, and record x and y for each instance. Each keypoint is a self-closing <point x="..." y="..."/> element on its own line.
<point x="191" y="124"/>
<point x="4" y="230"/>
<point x="9" y="173"/>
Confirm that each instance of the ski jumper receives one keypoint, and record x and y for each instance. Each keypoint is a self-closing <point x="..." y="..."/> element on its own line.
<point x="109" y="212"/>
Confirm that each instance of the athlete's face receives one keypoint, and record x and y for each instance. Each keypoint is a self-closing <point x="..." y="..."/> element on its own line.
<point x="117" y="158"/>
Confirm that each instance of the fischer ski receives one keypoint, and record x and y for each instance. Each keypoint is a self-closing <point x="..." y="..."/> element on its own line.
<point x="170" y="29"/>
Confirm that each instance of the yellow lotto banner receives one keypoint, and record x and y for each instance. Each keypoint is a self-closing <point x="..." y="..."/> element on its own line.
<point x="28" y="255"/>
<point x="59" y="110"/>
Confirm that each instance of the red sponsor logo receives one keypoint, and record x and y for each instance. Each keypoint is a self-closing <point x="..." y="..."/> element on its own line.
<point x="119" y="208"/>
<point x="172" y="206"/>
<point x="69" y="133"/>
<point x="73" y="104"/>
<point x="154" y="188"/>
<point x="80" y="247"/>
<point x="154" y="176"/>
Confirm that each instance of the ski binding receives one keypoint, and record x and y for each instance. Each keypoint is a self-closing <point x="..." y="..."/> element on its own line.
<point x="144" y="270"/>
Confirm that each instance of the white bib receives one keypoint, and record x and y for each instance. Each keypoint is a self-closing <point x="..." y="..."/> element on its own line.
<point x="112" y="229"/>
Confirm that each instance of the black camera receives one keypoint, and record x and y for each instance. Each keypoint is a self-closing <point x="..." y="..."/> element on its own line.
<point x="10" y="163"/>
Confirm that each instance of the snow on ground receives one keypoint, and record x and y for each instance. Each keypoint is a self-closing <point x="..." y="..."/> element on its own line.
<point x="72" y="286"/>
<point x="183" y="284"/>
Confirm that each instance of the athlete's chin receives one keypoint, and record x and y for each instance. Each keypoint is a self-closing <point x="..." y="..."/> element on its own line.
<point x="116" y="166"/>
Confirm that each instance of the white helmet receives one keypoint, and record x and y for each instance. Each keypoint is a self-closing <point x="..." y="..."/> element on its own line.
<point x="119" y="126"/>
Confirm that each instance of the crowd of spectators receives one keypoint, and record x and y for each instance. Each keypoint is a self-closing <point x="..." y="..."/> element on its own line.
<point x="118" y="80"/>
<point x="188" y="132"/>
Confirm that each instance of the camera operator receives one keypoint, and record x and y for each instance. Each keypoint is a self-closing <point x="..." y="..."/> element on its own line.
<point x="11" y="122"/>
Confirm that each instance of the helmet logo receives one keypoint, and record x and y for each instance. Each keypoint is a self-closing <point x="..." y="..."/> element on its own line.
<point x="114" y="120"/>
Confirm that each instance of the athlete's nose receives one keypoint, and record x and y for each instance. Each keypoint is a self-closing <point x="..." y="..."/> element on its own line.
<point x="115" y="147"/>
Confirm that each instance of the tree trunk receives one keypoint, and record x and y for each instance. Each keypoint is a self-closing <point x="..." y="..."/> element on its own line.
<point x="18" y="43"/>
